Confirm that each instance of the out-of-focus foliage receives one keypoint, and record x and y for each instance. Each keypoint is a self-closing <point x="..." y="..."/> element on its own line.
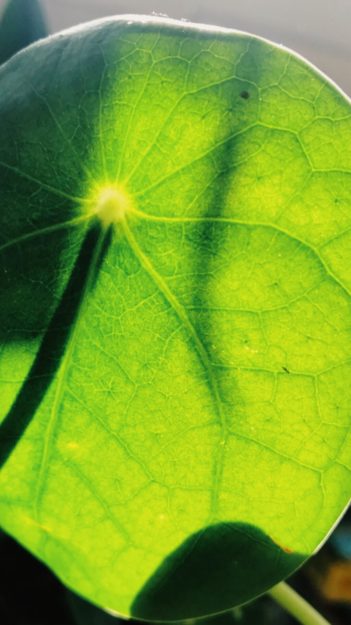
<point x="21" y="24"/>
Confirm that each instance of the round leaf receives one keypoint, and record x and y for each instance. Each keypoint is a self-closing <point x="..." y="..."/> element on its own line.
<point x="175" y="319"/>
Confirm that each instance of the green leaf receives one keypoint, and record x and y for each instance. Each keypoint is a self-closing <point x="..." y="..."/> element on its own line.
<point x="22" y="23"/>
<point x="263" y="612"/>
<point x="176" y="313"/>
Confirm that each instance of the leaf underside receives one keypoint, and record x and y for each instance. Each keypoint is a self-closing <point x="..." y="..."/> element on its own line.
<point x="175" y="318"/>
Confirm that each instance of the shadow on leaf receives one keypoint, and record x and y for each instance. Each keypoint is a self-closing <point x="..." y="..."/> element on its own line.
<point x="214" y="570"/>
<point x="54" y="343"/>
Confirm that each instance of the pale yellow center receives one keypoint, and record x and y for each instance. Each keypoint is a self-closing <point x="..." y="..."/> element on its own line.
<point x="111" y="205"/>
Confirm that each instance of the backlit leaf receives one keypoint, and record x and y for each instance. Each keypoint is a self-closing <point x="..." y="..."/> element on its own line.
<point x="175" y="317"/>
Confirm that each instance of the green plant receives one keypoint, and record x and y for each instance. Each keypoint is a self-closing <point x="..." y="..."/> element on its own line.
<point x="21" y="24"/>
<point x="176" y="316"/>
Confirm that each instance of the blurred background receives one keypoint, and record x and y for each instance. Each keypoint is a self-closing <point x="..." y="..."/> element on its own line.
<point x="320" y="31"/>
<point x="317" y="29"/>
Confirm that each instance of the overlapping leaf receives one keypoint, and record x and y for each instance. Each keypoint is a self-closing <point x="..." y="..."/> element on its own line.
<point x="22" y="22"/>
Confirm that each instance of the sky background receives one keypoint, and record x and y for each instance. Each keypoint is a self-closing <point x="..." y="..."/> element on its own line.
<point x="318" y="29"/>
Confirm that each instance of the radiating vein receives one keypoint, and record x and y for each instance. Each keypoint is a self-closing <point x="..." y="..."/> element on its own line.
<point x="50" y="353"/>
<point x="40" y="183"/>
<point x="249" y="224"/>
<point x="43" y="231"/>
<point x="199" y="347"/>
<point x="61" y="376"/>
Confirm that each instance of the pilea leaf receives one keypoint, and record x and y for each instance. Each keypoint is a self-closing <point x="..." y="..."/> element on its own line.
<point x="21" y="24"/>
<point x="175" y="316"/>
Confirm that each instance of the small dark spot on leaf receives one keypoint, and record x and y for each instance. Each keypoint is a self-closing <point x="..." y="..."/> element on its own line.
<point x="245" y="95"/>
<point x="286" y="369"/>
